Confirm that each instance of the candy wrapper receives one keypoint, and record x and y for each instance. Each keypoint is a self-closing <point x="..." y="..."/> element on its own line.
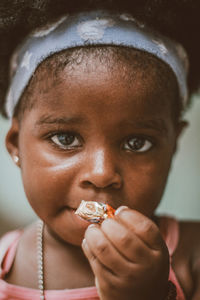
<point x="94" y="212"/>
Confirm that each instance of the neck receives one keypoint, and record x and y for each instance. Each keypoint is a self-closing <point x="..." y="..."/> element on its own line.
<point x="67" y="261"/>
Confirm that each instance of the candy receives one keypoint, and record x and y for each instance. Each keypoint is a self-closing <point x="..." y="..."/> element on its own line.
<point x="94" y="212"/>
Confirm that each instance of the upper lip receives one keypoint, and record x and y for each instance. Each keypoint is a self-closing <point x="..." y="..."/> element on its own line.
<point x="97" y="199"/>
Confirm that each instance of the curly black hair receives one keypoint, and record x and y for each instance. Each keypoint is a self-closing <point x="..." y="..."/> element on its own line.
<point x="177" y="19"/>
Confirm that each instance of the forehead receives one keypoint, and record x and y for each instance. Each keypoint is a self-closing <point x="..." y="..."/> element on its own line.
<point x="104" y="79"/>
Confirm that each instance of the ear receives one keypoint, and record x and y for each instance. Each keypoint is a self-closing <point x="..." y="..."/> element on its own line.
<point x="11" y="141"/>
<point x="180" y="127"/>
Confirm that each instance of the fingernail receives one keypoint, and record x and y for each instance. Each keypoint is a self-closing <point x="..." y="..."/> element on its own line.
<point x="119" y="209"/>
<point x="84" y="242"/>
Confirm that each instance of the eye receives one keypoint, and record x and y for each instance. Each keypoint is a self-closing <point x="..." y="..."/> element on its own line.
<point x="138" y="144"/>
<point x="66" y="140"/>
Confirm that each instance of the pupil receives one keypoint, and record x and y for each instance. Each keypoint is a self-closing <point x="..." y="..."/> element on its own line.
<point x="66" y="139"/>
<point x="136" y="144"/>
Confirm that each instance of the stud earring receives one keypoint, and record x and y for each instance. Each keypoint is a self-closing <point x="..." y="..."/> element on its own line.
<point x="16" y="159"/>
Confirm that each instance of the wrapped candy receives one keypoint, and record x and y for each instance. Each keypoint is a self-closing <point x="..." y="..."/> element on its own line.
<point x="94" y="212"/>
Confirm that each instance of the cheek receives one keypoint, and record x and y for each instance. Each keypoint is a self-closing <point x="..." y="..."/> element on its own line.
<point x="146" y="184"/>
<point x="48" y="178"/>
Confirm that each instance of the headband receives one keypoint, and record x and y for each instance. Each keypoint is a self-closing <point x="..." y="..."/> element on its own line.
<point x="92" y="28"/>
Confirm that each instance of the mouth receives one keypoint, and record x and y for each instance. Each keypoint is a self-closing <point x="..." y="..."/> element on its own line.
<point x="71" y="211"/>
<point x="75" y="207"/>
<point x="80" y="222"/>
<point x="102" y="200"/>
<point x="83" y="223"/>
<point x="94" y="212"/>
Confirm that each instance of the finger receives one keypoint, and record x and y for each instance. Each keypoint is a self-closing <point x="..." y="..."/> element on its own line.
<point x="107" y="283"/>
<point x="142" y="226"/>
<point x="99" y="270"/>
<point x="103" y="250"/>
<point x="126" y="241"/>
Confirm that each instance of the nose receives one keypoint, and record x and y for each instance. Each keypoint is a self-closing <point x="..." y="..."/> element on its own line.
<point x="101" y="171"/>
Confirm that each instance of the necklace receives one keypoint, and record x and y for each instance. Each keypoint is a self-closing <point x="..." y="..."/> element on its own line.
<point x="40" y="258"/>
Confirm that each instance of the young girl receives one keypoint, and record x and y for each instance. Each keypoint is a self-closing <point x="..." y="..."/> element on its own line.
<point x="96" y="100"/>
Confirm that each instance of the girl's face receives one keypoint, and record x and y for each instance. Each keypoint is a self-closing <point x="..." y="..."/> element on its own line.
<point x="98" y="135"/>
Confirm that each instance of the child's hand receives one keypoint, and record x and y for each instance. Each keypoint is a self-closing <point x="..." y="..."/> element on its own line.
<point x="128" y="257"/>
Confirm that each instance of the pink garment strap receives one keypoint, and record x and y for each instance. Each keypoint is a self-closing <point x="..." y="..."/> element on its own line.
<point x="8" y="245"/>
<point x="169" y="228"/>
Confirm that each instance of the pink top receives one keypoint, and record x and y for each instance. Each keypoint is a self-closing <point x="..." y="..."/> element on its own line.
<point x="8" y="244"/>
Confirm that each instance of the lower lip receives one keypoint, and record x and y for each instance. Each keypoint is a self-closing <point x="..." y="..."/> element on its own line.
<point x="77" y="219"/>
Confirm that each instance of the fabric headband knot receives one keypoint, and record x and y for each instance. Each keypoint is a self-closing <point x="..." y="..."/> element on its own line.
<point x="92" y="28"/>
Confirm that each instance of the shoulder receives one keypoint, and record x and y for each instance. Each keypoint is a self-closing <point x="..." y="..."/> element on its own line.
<point x="190" y="241"/>
<point x="189" y="238"/>
<point x="24" y="260"/>
<point x="186" y="259"/>
<point x="185" y="237"/>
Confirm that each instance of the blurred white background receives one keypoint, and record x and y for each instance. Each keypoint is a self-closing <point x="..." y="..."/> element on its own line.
<point x="181" y="198"/>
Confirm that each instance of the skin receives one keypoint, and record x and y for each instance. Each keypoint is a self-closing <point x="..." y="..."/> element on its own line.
<point x="102" y="119"/>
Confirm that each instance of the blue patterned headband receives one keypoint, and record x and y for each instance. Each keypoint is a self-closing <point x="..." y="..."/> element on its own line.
<point x="92" y="28"/>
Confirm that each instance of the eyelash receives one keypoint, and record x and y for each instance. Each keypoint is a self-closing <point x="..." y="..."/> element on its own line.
<point x="54" y="140"/>
<point x="147" y="143"/>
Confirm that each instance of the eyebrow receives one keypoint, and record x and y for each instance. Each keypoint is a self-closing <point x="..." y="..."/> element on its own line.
<point x="156" y="124"/>
<point x="47" y="120"/>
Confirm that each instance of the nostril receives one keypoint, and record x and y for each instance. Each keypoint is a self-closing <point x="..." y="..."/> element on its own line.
<point x="86" y="183"/>
<point x="116" y="185"/>
<point x="102" y="183"/>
